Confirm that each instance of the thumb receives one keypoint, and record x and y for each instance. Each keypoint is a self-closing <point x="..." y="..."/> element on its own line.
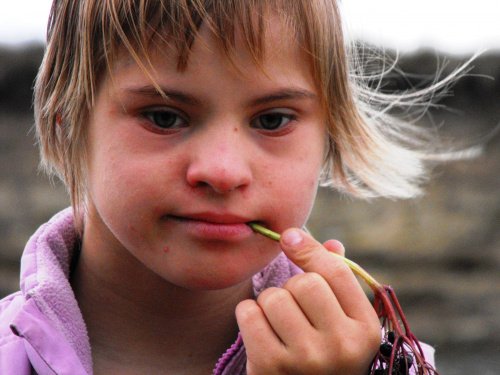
<point x="307" y="253"/>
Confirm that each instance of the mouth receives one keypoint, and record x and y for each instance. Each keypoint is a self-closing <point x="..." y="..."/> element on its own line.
<point x="211" y="226"/>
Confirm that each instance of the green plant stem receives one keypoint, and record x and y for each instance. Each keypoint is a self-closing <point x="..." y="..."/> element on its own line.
<point x="358" y="270"/>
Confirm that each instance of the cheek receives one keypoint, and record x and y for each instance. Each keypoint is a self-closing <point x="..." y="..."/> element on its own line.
<point x="120" y="187"/>
<point x="293" y="186"/>
<point x="124" y="172"/>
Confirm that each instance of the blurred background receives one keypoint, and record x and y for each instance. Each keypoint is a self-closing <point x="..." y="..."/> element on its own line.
<point x="440" y="252"/>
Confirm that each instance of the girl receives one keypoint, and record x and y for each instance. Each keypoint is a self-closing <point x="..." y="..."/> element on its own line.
<point x="173" y="124"/>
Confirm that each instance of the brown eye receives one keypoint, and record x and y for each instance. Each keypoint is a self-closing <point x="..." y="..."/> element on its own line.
<point x="165" y="119"/>
<point x="272" y="121"/>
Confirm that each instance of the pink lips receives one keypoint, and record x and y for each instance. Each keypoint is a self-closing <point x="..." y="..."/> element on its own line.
<point x="214" y="226"/>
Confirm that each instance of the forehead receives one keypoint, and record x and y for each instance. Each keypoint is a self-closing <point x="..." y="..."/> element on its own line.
<point x="243" y="51"/>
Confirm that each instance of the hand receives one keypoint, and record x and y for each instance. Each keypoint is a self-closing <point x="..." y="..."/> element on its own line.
<point x="320" y="322"/>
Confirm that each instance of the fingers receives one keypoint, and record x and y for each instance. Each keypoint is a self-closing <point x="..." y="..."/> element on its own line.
<point x="297" y="329"/>
<point x="255" y="328"/>
<point x="278" y="337"/>
<point x="284" y="317"/>
<point x="335" y="246"/>
<point x="311" y="256"/>
<point x="316" y="300"/>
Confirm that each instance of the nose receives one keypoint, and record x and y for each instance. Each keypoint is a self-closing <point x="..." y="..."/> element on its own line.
<point x="220" y="160"/>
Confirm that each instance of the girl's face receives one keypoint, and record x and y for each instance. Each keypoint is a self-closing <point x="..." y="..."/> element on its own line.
<point x="173" y="182"/>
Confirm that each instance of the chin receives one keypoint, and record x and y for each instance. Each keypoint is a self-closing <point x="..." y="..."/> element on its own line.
<point x="216" y="280"/>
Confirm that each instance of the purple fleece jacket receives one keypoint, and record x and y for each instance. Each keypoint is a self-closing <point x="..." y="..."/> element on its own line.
<point x="41" y="327"/>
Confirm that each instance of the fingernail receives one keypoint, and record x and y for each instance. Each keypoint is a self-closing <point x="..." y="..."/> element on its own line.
<point x="291" y="237"/>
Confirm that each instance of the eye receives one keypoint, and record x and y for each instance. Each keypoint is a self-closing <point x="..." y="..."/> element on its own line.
<point x="164" y="119"/>
<point x="272" y="121"/>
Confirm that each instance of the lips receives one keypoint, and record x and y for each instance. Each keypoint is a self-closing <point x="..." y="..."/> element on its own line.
<point x="216" y="218"/>
<point x="214" y="226"/>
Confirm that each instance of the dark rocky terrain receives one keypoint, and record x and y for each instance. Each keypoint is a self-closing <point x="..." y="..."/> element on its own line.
<point x="440" y="252"/>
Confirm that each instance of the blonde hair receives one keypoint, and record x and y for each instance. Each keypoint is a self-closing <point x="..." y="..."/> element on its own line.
<point x="369" y="153"/>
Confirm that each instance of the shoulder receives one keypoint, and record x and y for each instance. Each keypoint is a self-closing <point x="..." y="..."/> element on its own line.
<point x="13" y="357"/>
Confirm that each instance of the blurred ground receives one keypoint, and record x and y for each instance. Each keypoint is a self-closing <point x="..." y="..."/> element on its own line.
<point x="441" y="253"/>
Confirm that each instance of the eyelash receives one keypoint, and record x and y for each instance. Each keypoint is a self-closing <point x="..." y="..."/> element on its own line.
<point x="152" y="117"/>
<point x="281" y="129"/>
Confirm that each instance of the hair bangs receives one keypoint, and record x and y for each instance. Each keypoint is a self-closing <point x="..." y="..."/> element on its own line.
<point x="146" y="25"/>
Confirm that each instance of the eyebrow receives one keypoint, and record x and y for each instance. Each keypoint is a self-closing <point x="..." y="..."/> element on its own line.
<point x="291" y="93"/>
<point x="283" y="94"/>
<point x="153" y="92"/>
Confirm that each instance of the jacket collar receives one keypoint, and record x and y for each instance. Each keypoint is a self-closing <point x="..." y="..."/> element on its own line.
<point x="45" y="269"/>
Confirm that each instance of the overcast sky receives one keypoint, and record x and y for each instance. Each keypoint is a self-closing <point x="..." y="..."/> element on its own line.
<point x="456" y="26"/>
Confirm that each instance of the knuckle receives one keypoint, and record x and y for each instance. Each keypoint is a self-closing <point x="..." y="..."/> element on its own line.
<point x="307" y="255"/>
<point x="311" y="361"/>
<point x="247" y="312"/>
<point x="340" y="266"/>
<point x="309" y="355"/>
<point x="313" y="356"/>
<point x="273" y="297"/>
<point x="339" y="269"/>
<point x="305" y="283"/>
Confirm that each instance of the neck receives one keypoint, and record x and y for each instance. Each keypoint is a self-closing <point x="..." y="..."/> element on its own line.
<point x="145" y="324"/>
